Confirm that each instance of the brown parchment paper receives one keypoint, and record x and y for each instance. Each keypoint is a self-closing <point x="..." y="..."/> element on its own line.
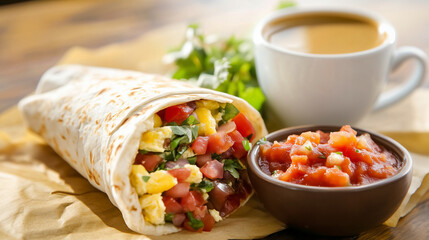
<point x="42" y="197"/>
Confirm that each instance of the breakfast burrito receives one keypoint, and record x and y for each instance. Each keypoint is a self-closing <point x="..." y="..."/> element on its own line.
<point x="168" y="154"/>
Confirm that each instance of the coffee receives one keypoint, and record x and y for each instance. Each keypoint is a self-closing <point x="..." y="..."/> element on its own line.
<point x="324" y="33"/>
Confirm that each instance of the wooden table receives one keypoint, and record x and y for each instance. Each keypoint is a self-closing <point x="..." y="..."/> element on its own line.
<point x="34" y="36"/>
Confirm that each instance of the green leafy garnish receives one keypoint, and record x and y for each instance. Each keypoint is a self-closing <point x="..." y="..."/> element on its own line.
<point x="160" y="166"/>
<point x="205" y="185"/>
<point x="232" y="166"/>
<point x="339" y="153"/>
<point x="192" y="160"/>
<point x="229" y="112"/>
<point x="193" y="222"/>
<point x="216" y="156"/>
<point x="308" y="148"/>
<point x="145" y="178"/>
<point x="322" y="156"/>
<point x="338" y="167"/>
<point x="191" y="132"/>
<point x="247" y="145"/>
<point x="141" y="151"/>
<point x="357" y="150"/>
<point x="191" y="120"/>
<point x="223" y="65"/>
<point x="169" y="217"/>
<point x="262" y="141"/>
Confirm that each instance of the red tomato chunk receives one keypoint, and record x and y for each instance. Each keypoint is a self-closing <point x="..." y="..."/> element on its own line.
<point x="178" y="113"/>
<point x="333" y="160"/>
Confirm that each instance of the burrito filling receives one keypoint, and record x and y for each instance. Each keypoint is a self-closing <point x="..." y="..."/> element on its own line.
<point x="190" y="169"/>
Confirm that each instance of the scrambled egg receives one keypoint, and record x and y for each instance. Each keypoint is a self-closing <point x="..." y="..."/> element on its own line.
<point x="207" y="125"/>
<point x="196" y="176"/>
<point x="156" y="182"/>
<point x="215" y="214"/>
<point x="137" y="172"/>
<point x="153" y="141"/>
<point x="211" y="105"/>
<point x="160" y="181"/>
<point x="157" y="122"/>
<point x="188" y="153"/>
<point x="153" y="208"/>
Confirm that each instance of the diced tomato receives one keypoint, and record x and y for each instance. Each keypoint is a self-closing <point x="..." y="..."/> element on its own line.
<point x="180" y="173"/>
<point x="179" y="190"/>
<point x="149" y="161"/>
<point x="219" y="143"/>
<point x="178" y="113"/>
<point x="188" y="227"/>
<point x="212" y="169"/>
<point x="199" y="146"/>
<point x="202" y="159"/>
<point x="178" y="219"/>
<point x="238" y="147"/>
<point x="201" y="213"/>
<point x="171" y="205"/>
<point x="244" y="126"/>
<point x="192" y="200"/>
<point x="342" y="139"/>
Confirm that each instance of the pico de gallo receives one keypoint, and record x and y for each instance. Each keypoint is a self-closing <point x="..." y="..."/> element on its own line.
<point x="190" y="168"/>
<point x="335" y="159"/>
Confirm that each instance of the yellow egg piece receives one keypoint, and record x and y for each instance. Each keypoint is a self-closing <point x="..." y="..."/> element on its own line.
<point x="207" y="125"/>
<point x="137" y="172"/>
<point x="160" y="181"/>
<point x="157" y="122"/>
<point x="196" y="176"/>
<point x="153" y="208"/>
<point x="209" y="104"/>
<point x="153" y="141"/>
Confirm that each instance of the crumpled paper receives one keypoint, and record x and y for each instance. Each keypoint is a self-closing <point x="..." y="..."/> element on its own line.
<point x="43" y="197"/>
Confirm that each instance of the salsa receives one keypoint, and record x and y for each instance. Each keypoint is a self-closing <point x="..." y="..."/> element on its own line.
<point x="190" y="169"/>
<point x="335" y="159"/>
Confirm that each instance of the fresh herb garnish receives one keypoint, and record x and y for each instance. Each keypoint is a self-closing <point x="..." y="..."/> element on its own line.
<point x="192" y="160"/>
<point x="227" y="66"/>
<point x="229" y="112"/>
<point x="285" y="4"/>
<point x="193" y="222"/>
<point x="322" y="156"/>
<point x="204" y="185"/>
<point x="339" y="153"/>
<point x="141" y="151"/>
<point x="160" y="166"/>
<point x="191" y="120"/>
<point x="145" y="178"/>
<point x="308" y="148"/>
<point x="338" y="167"/>
<point x="247" y="145"/>
<point x="232" y="166"/>
<point x="357" y="150"/>
<point x="191" y="132"/>
<point x="216" y="156"/>
<point x="169" y="217"/>
<point x="262" y="141"/>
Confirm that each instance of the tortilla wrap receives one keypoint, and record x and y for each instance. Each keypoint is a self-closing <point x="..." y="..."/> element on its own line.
<point x="94" y="118"/>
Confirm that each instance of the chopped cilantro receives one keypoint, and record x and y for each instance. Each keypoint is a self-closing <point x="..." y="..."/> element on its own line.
<point x="247" y="145"/>
<point x="338" y="167"/>
<point x="192" y="160"/>
<point x="229" y="112"/>
<point x="145" y="178"/>
<point x="216" y="156"/>
<point x="339" y="153"/>
<point x="322" y="156"/>
<point x="160" y="166"/>
<point x="141" y="151"/>
<point x="169" y="217"/>
<point x="191" y="132"/>
<point x="308" y="148"/>
<point x="357" y="150"/>
<point x="193" y="222"/>
<point x="232" y="166"/>
<point x="205" y="185"/>
<point x="191" y="120"/>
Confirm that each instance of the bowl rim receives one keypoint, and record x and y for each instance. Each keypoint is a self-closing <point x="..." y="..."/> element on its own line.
<point x="253" y="156"/>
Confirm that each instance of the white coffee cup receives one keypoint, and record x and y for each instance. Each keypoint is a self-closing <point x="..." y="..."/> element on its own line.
<point x="304" y="88"/>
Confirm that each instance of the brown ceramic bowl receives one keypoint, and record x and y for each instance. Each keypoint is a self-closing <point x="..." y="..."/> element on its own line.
<point x="332" y="211"/>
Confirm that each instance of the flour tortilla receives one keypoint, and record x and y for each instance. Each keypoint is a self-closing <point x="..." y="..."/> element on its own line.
<point x="94" y="117"/>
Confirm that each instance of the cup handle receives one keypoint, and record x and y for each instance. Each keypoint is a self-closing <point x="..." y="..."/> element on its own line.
<point x="416" y="79"/>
